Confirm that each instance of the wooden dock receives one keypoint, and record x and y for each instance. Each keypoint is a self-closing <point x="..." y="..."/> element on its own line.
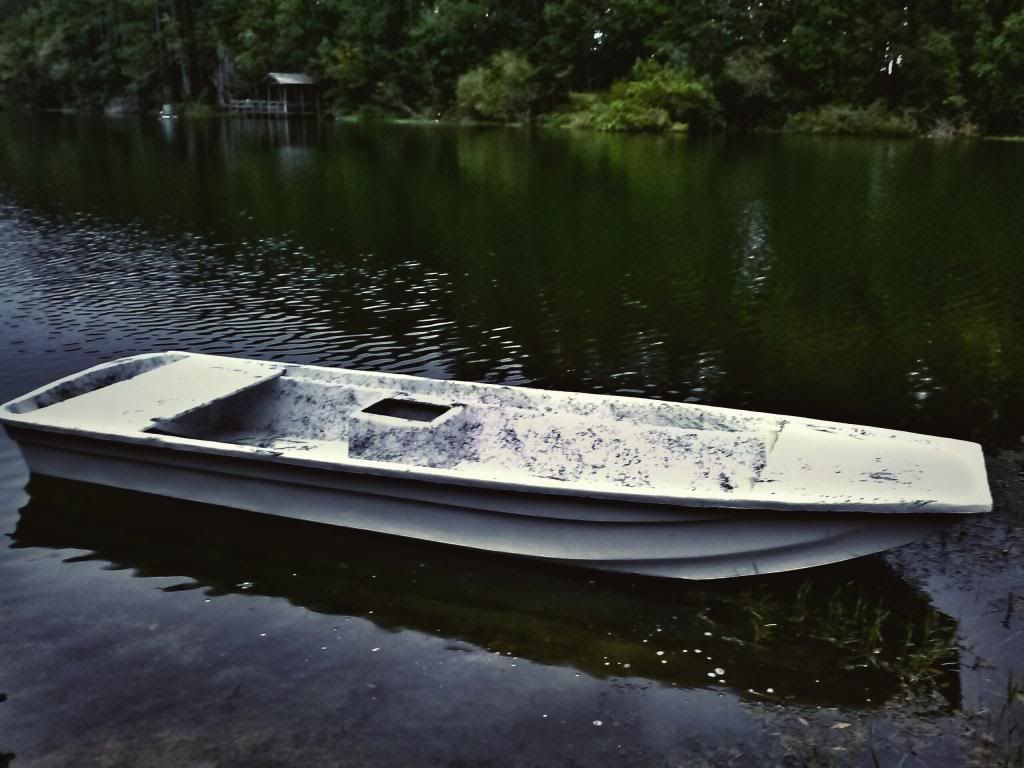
<point x="266" y="107"/>
<point x="288" y="94"/>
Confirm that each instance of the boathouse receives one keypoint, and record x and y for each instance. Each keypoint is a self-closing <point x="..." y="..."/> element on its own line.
<point x="286" y="94"/>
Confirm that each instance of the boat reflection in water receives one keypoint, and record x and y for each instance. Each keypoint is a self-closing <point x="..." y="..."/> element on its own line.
<point x="854" y="634"/>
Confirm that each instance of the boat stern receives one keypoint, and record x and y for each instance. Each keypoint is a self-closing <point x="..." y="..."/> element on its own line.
<point x="847" y="468"/>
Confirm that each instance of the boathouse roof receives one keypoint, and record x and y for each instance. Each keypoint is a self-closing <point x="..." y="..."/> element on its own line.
<point x="290" y="78"/>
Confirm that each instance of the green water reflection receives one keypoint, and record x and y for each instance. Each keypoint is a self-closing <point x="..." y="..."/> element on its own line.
<point x="867" y="281"/>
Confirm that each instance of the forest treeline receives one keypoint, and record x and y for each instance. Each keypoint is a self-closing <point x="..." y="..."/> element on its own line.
<point x="830" y="65"/>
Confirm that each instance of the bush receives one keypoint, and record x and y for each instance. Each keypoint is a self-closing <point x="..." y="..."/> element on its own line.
<point x="946" y="128"/>
<point x="600" y="113"/>
<point x="845" y="119"/>
<point x="504" y="90"/>
<point x="655" y="97"/>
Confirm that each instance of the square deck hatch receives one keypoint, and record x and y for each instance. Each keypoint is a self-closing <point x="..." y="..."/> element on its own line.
<point x="410" y="410"/>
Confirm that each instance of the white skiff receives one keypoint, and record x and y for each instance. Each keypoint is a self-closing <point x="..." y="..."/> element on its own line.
<point x="618" y="483"/>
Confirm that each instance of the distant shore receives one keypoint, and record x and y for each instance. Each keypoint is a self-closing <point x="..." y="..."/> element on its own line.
<point x="206" y="112"/>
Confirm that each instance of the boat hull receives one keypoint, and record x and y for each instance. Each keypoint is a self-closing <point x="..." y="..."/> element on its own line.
<point x="651" y="539"/>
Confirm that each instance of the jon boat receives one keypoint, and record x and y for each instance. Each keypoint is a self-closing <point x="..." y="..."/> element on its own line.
<point x="616" y="483"/>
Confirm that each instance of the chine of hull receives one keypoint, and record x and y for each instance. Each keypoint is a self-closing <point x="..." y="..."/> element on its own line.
<point x="633" y="538"/>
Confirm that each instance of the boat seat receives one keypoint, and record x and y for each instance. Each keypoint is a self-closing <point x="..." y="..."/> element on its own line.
<point x="163" y="393"/>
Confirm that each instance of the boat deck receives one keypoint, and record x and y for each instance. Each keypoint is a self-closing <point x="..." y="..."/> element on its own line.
<point x="511" y="437"/>
<point x="172" y="390"/>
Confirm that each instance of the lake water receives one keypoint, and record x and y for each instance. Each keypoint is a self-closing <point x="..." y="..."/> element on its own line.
<point x="867" y="281"/>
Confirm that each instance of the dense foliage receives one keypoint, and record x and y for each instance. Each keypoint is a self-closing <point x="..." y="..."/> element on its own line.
<point x="872" y="120"/>
<point x="504" y="89"/>
<point x="945" y="62"/>
<point x="654" y="97"/>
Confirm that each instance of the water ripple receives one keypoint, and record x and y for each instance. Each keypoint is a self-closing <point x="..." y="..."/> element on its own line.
<point x="75" y="289"/>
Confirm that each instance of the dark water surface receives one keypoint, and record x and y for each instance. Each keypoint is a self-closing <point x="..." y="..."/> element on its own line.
<point x="865" y="281"/>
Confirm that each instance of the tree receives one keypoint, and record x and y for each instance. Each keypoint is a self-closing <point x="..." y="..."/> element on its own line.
<point x="932" y="74"/>
<point x="747" y="85"/>
<point x="941" y="60"/>
<point x="1000" y="67"/>
<point x="503" y="90"/>
<point x="655" y="97"/>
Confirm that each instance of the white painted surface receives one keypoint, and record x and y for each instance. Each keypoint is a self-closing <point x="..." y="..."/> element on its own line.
<point x="887" y="469"/>
<point x="509" y="438"/>
<point x="683" y="544"/>
<point x="163" y="393"/>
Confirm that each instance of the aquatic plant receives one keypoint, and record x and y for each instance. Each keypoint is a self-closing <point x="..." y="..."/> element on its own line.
<point x="858" y="627"/>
